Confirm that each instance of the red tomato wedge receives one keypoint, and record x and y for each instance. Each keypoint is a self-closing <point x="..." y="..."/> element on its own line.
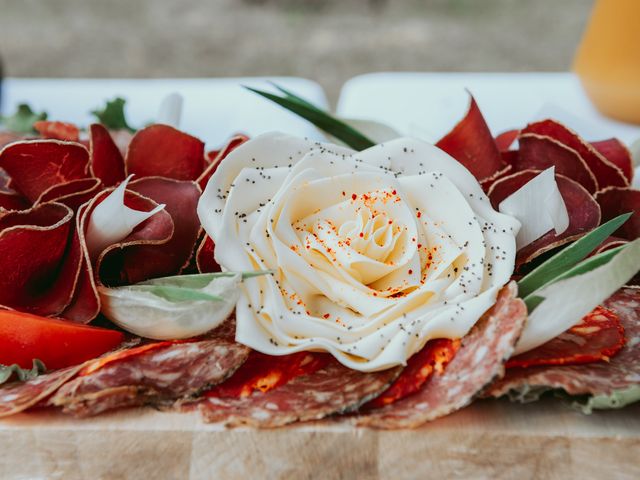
<point x="57" y="343"/>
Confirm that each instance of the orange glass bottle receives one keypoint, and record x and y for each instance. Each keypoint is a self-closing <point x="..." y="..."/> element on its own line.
<point x="608" y="59"/>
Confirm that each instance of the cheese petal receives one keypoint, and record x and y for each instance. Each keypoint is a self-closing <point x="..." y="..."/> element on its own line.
<point x="539" y="207"/>
<point x="112" y="221"/>
<point x="170" y="110"/>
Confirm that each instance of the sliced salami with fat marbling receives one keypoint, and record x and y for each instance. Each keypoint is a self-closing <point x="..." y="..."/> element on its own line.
<point x="158" y="376"/>
<point x="477" y="363"/>
<point x="330" y="390"/>
<point x="602" y="378"/>
<point x="17" y="397"/>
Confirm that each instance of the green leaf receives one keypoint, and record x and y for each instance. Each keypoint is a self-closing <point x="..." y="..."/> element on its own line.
<point x="615" y="399"/>
<point x="22" y="121"/>
<point x="112" y="115"/>
<point x="21" y="374"/>
<point x="580" y="290"/>
<point x="182" y="306"/>
<point x="321" y="119"/>
<point x="532" y="300"/>
<point x="568" y="257"/>
<point x="176" y="294"/>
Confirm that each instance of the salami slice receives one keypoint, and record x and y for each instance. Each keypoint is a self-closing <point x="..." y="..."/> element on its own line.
<point x="19" y="396"/>
<point x="265" y="372"/>
<point x="332" y="389"/>
<point x="598" y="336"/>
<point x="431" y="360"/>
<point x="157" y="375"/>
<point x="622" y="372"/>
<point x="479" y="361"/>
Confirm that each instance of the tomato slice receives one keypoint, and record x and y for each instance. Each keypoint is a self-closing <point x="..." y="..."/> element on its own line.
<point x="58" y="343"/>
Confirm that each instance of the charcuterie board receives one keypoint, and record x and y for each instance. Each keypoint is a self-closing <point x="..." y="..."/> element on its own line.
<point x="490" y="439"/>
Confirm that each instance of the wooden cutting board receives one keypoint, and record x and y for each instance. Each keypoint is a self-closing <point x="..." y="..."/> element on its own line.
<point x="490" y="439"/>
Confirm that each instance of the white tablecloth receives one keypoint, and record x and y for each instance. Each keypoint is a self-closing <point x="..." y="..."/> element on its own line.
<point x="429" y="104"/>
<point x="214" y="109"/>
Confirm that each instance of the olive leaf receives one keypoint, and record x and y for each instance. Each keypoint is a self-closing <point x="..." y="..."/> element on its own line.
<point x="21" y="374"/>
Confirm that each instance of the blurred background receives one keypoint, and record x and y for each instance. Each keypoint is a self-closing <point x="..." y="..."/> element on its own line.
<point x="328" y="41"/>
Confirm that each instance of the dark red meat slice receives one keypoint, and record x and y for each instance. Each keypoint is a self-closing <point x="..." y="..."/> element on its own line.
<point x="432" y="359"/>
<point x="73" y="193"/>
<point x="615" y="201"/>
<point x="506" y="139"/>
<point x="584" y="213"/>
<point x="112" y="263"/>
<point x="204" y="256"/>
<point x="107" y="162"/>
<point x="37" y="165"/>
<point x="262" y="373"/>
<point x="617" y="154"/>
<point x="181" y="202"/>
<point x="331" y="390"/>
<point x="477" y="364"/>
<point x="17" y="397"/>
<point x="538" y="152"/>
<point x="598" y="336"/>
<point x="57" y="130"/>
<point x="471" y="143"/>
<point x="600" y="378"/>
<point x="163" y="151"/>
<point x="33" y="245"/>
<point x="216" y="157"/>
<point x="606" y="173"/>
<point x="156" y="375"/>
<point x="13" y="201"/>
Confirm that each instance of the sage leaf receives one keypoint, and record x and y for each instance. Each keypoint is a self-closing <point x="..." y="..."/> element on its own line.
<point x="112" y="115"/>
<point x="22" y="120"/>
<point x="177" y="307"/>
<point x="21" y="374"/>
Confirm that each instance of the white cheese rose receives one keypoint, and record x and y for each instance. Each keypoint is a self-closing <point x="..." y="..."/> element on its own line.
<point x="375" y="252"/>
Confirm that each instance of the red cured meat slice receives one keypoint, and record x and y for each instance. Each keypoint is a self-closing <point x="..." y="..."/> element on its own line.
<point x="506" y="139"/>
<point x="598" y="336"/>
<point x="584" y="212"/>
<point x="73" y="193"/>
<point x="33" y="244"/>
<point x="107" y="162"/>
<point x="600" y="378"/>
<point x="156" y="376"/>
<point x="606" y="172"/>
<point x="262" y="373"/>
<point x="331" y="390"/>
<point x="477" y="364"/>
<point x="204" y="256"/>
<point x="57" y="130"/>
<point x="432" y="359"/>
<point x="615" y="201"/>
<point x="216" y="157"/>
<point x="156" y="230"/>
<point x="608" y="244"/>
<point x="163" y="151"/>
<point x="181" y="202"/>
<point x="9" y="137"/>
<point x="17" y="397"/>
<point x="13" y="201"/>
<point x="37" y="165"/>
<point x="618" y="154"/>
<point x="538" y="152"/>
<point x="471" y="143"/>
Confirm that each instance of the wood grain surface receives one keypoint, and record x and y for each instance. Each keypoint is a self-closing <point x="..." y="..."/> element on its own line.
<point x="490" y="439"/>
